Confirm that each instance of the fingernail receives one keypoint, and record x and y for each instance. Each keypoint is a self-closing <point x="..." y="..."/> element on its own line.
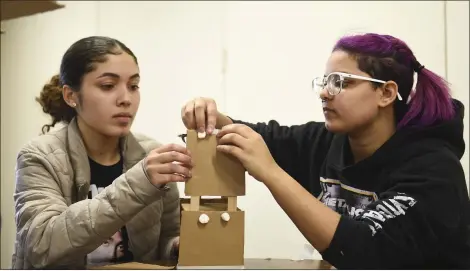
<point x="201" y="134"/>
<point x="210" y="129"/>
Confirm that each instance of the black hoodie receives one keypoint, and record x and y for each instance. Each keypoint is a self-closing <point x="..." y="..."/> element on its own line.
<point x="406" y="206"/>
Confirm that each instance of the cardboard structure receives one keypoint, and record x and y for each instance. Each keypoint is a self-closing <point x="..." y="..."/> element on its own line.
<point x="212" y="229"/>
<point x="12" y="9"/>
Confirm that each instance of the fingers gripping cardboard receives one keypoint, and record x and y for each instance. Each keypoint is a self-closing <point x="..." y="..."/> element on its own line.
<point x="214" y="173"/>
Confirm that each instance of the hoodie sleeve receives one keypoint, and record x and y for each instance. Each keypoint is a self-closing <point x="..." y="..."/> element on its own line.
<point x="423" y="206"/>
<point x="295" y="148"/>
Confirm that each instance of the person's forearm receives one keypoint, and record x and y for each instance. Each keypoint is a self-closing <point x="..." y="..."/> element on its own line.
<point x="85" y="222"/>
<point x="315" y="221"/>
<point x="222" y="121"/>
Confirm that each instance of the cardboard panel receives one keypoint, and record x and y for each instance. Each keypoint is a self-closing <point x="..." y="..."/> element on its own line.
<point x="215" y="173"/>
<point x="206" y="204"/>
<point x="217" y="243"/>
<point x="16" y="9"/>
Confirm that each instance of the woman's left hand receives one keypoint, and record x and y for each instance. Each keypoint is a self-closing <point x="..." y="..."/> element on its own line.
<point x="249" y="148"/>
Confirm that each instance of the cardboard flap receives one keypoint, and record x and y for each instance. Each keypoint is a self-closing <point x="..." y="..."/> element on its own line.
<point x="206" y="204"/>
<point x="16" y="9"/>
<point x="214" y="173"/>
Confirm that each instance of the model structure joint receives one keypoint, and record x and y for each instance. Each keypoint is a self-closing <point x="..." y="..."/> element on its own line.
<point x="212" y="229"/>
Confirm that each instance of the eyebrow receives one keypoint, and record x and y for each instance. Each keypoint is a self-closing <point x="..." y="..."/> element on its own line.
<point x="114" y="75"/>
<point x="343" y="71"/>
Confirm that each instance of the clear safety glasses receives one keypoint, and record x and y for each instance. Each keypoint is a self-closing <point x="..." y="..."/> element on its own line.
<point x="334" y="82"/>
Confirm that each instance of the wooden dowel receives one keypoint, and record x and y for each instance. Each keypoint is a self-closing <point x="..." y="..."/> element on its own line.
<point x="231" y="203"/>
<point x="194" y="203"/>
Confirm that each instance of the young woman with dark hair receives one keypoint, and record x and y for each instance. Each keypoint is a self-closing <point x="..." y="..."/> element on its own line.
<point x="92" y="191"/>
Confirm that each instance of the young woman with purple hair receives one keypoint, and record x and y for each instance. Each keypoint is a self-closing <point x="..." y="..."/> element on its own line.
<point x="379" y="184"/>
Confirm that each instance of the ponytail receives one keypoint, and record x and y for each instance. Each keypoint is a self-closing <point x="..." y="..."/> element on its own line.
<point x="430" y="103"/>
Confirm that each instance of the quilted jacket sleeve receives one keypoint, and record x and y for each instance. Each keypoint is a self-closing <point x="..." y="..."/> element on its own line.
<point x="52" y="233"/>
<point x="170" y="221"/>
<point x="170" y="231"/>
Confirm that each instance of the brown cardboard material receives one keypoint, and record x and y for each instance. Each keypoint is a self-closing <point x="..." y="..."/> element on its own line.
<point x="207" y="204"/>
<point x="217" y="243"/>
<point x="14" y="9"/>
<point x="214" y="173"/>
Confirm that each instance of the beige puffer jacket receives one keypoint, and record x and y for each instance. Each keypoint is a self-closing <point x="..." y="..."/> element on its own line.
<point x="57" y="226"/>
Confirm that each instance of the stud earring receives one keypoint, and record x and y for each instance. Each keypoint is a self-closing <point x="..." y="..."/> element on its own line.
<point x="74" y="104"/>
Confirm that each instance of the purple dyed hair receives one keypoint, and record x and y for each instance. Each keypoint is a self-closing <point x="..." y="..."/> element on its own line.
<point x="387" y="58"/>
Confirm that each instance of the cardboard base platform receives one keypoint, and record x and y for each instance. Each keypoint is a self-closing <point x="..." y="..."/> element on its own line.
<point x="217" y="244"/>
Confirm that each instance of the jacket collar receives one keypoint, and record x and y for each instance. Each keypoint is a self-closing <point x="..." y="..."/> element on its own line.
<point x="132" y="153"/>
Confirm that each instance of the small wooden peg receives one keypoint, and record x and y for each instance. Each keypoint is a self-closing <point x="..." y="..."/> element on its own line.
<point x="231" y="204"/>
<point x="194" y="203"/>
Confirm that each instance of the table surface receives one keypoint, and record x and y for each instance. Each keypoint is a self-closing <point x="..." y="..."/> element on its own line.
<point x="286" y="264"/>
<point x="249" y="264"/>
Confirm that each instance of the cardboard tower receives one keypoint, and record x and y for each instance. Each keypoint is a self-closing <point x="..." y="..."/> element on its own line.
<point x="212" y="229"/>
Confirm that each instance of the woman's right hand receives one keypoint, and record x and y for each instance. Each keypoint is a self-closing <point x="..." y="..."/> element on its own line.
<point x="169" y="163"/>
<point x="201" y="114"/>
